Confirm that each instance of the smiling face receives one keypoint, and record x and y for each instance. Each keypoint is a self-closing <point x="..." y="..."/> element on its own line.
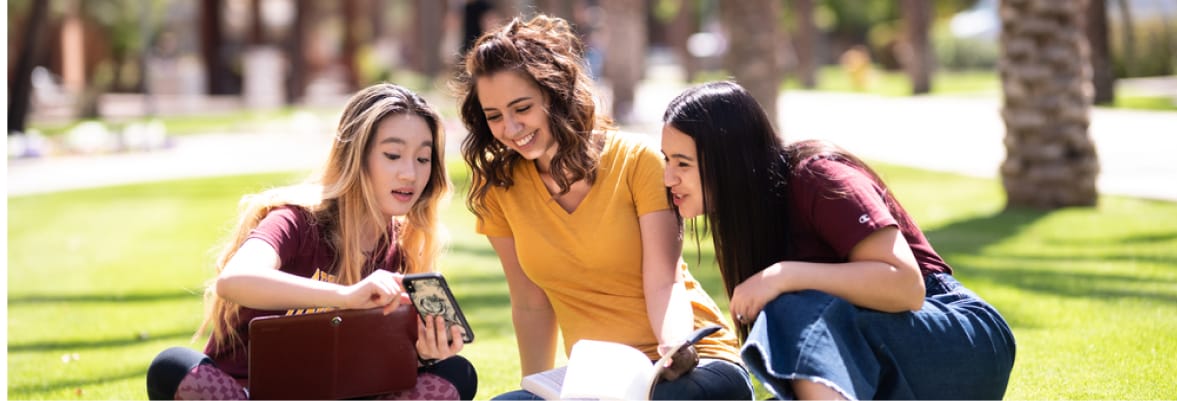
<point x="516" y="111"/>
<point x="399" y="162"/>
<point x="682" y="172"/>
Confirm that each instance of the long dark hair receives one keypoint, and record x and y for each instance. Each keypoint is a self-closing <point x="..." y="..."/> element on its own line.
<point x="745" y="169"/>
<point x="546" y="51"/>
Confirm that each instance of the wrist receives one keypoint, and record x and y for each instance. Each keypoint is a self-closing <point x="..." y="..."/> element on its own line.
<point x="426" y="362"/>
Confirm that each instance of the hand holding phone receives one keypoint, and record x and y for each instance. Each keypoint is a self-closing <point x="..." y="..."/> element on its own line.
<point x="432" y="297"/>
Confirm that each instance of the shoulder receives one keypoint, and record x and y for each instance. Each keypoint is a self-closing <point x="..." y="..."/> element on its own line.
<point x="287" y="221"/>
<point x="295" y="215"/>
<point x="826" y="170"/>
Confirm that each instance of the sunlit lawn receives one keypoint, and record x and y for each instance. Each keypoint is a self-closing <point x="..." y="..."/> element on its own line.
<point x="101" y="280"/>
<point x="956" y="83"/>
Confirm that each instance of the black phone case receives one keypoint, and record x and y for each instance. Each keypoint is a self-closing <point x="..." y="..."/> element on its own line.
<point x="411" y="282"/>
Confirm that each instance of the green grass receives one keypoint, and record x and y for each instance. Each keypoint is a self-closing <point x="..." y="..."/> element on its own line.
<point x="114" y="275"/>
<point x="956" y="83"/>
<point x="230" y="121"/>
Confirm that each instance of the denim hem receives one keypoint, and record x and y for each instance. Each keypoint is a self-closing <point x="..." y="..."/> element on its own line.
<point x="818" y="380"/>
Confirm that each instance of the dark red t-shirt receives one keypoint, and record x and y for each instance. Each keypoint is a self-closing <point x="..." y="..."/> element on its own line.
<point x="302" y="251"/>
<point x="836" y="206"/>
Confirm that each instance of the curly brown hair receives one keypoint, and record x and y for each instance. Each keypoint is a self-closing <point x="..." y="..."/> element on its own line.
<point x="546" y="51"/>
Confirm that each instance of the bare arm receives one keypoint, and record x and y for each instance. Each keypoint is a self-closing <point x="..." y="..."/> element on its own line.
<point x="882" y="274"/>
<point x="251" y="278"/>
<point x="531" y="312"/>
<point x="667" y="302"/>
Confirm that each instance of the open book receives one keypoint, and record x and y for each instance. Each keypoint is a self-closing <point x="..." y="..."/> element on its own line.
<point x="606" y="371"/>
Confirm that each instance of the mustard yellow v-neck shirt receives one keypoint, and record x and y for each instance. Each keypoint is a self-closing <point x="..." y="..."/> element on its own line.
<point x="589" y="261"/>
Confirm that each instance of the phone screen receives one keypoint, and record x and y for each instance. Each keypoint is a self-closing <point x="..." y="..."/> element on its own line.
<point x="431" y="295"/>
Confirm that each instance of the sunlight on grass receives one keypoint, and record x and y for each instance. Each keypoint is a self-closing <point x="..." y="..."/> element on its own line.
<point x="1091" y="293"/>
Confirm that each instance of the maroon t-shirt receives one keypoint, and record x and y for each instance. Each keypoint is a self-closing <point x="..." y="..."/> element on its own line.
<point x="836" y="206"/>
<point x="304" y="252"/>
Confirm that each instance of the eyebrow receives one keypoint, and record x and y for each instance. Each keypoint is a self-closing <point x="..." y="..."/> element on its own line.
<point x="680" y="156"/>
<point x="486" y="109"/>
<point x="393" y="139"/>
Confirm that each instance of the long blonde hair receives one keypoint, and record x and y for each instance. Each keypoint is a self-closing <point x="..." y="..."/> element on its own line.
<point x="341" y="201"/>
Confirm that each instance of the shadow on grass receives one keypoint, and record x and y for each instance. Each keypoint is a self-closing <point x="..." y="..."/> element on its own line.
<point x="43" y="388"/>
<point x="1079" y="284"/>
<point x="100" y="298"/>
<point x="970" y="236"/>
<point x="92" y="344"/>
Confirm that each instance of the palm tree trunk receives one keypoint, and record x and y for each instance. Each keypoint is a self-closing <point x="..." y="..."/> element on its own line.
<point x="1050" y="160"/>
<point x="20" y="84"/>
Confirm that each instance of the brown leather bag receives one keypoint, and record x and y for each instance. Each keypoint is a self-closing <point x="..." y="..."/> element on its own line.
<point x="333" y="355"/>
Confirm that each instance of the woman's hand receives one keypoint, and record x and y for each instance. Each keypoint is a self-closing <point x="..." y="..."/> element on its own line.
<point x="680" y="363"/>
<point x="381" y="289"/>
<point x="432" y="341"/>
<point x="749" y="298"/>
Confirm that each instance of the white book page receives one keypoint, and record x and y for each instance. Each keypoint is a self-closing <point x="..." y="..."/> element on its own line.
<point x="609" y="371"/>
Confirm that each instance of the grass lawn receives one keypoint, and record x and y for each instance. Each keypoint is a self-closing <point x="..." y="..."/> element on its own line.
<point x="101" y="280"/>
<point x="956" y="83"/>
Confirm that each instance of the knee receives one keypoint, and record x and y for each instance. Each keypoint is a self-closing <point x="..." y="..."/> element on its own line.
<point x="459" y="372"/>
<point x="169" y="368"/>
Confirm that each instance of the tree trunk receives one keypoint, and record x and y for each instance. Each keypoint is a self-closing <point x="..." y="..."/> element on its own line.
<point x="296" y="71"/>
<point x="1129" y="45"/>
<point x="556" y="8"/>
<point x="1050" y="160"/>
<point x="806" y="43"/>
<point x="350" y="45"/>
<point x="752" y="54"/>
<point x="1101" y="63"/>
<point x="21" y="86"/>
<point x="685" y="24"/>
<point x="917" y="58"/>
<point x="426" y="43"/>
<point x="625" y="52"/>
<point x="220" y="81"/>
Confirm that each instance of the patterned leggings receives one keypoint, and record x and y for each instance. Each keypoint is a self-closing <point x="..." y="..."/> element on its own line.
<point x="452" y="379"/>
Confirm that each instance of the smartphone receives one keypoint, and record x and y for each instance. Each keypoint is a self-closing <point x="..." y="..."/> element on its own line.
<point x="431" y="296"/>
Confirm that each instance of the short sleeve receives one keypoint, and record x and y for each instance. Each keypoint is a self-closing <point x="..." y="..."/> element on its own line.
<point x="843" y="203"/>
<point x="649" y="188"/>
<point x="284" y="228"/>
<point x="492" y="222"/>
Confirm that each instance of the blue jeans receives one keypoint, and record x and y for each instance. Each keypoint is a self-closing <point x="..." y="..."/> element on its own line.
<point x="713" y="379"/>
<point x="956" y="347"/>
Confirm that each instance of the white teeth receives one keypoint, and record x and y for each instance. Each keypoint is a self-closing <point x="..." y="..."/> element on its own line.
<point x="525" y="140"/>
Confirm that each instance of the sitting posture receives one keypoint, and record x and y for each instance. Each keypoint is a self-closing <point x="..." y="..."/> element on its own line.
<point x="343" y="240"/>
<point x="837" y="292"/>
<point x="578" y="216"/>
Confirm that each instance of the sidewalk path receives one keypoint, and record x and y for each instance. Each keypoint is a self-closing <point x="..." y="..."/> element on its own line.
<point x="961" y="134"/>
<point x="953" y="134"/>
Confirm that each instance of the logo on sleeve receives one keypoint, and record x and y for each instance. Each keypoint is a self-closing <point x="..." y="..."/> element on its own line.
<point x="863" y="219"/>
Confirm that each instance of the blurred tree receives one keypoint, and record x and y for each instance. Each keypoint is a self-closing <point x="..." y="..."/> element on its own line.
<point x="1129" y="38"/>
<point x="20" y="83"/>
<point x="917" y="56"/>
<point x="683" y="23"/>
<point x="218" y="69"/>
<point x="753" y="48"/>
<point x="295" y="52"/>
<point x="1050" y="159"/>
<point x="1101" y="64"/>
<point x="556" y="8"/>
<point x="805" y="43"/>
<point x="625" y="52"/>
<point x="424" y="47"/>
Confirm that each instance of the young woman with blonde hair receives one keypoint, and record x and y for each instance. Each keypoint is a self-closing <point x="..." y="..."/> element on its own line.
<point x="343" y="240"/>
